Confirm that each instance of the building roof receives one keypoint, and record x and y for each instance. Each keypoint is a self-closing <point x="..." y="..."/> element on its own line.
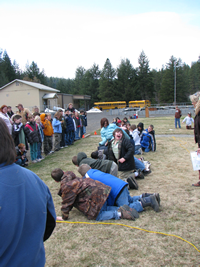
<point x="50" y="96"/>
<point x="36" y="85"/>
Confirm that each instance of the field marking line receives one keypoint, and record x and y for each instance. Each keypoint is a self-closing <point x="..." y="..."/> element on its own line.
<point x="180" y="144"/>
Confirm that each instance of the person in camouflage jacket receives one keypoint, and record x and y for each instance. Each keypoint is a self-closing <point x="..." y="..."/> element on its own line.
<point x="88" y="196"/>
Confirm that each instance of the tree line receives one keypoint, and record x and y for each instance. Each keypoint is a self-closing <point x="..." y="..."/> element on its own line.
<point x="125" y="83"/>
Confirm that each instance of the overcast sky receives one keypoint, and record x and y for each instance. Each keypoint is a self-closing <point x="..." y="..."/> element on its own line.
<point x="63" y="35"/>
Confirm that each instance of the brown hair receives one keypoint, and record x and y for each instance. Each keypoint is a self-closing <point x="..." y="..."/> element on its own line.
<point x="133" y="127"/>
<point x="58" y="115"/>
<point x="103" y="120"/>
<point x="20" y="146"/>
<point x="7" y="147"/>
<point x="57" y="174"/>
<point x="2" y="107"/>
<point x="117" y="130"/>
<point x="74" y="160"/>
<point x="83" y="169"/>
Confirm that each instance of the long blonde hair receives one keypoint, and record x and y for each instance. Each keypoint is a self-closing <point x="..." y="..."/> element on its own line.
<point x="195" y="98"/>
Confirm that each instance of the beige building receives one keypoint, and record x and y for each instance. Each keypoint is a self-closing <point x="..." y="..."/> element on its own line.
<point x="29" y="94"/>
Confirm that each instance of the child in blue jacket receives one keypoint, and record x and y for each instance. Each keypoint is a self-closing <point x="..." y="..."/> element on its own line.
<point x="148" y="141"/>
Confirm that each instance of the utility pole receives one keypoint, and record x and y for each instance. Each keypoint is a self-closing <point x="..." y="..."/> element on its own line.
<point x="174" y="83"/>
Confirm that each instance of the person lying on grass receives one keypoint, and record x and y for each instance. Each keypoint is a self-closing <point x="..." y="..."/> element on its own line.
<point x="107" y="166"/>
<point x="90" y="197"/>
<point x="119" y="194"/>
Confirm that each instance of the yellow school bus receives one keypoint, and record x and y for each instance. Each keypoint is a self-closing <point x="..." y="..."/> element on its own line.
<point x="110" y="105"/>
<point x="139" y="103"/>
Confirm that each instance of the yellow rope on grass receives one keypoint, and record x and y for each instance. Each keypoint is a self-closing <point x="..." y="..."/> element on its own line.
<point x="133" y="227"/>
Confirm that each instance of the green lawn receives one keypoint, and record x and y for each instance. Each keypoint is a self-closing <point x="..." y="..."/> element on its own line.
<point x="81" y="244"/>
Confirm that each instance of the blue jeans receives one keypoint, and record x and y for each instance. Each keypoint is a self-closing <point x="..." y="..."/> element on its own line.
<point x="137" y="150"/>
<point x="108" y="213"/>
<point x="39" y="145"/>
<point x="81" y="132"/>
<point x="139" y="164"/>
<point x="77" y="133"/>
<point x="21" y="161"/>
<point x="84" y="129"/>
<point x="125" y="199"/>
<point x="33" y="151"/>
<point x="69" y="137"/>
<point x="177" y="120"/>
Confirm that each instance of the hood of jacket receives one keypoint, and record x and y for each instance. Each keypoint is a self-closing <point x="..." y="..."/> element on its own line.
<point x="42" y="116"/>
<point x="80" y="157"/>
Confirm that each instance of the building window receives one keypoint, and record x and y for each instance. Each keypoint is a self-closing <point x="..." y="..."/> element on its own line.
<point x="17" y="83"/>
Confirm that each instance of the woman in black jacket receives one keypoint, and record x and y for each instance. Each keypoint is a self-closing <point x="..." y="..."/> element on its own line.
<point x="121" y="151"/>
<point x="195" y="99"/>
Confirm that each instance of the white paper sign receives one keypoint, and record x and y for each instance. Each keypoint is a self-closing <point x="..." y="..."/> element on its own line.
<point x="195" y="161"/>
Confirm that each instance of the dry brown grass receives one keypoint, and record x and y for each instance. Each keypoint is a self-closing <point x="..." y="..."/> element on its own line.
<point x="115" y="245"/>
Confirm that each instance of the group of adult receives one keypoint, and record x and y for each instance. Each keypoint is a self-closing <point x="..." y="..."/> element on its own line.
<point x="6" y="114"/>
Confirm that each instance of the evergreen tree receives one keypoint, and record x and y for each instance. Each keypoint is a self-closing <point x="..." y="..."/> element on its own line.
<point x="92" y="83"/>
<point x="195" y="77"/>
<point x="79" y="81"/>
<point x="157" y="81"/>
<point x="107" y="86"/>
<point x="8" y="68"/>
<point x="167" y="92"/>
<point x="126" y="82"/>
<point x="34" y="74"/>
<point x="3" y="79"/>
<point x="167" y="88"/>
<point x="145" y="78"/>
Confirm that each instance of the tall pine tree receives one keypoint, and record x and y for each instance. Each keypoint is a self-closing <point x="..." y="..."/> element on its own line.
<point x="145" y="78"/>
<point x="107" y="84"/>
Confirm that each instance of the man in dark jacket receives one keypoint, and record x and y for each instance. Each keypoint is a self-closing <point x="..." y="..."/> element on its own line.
<point x="89" y="197"/>
<point x="107" y="166"/>
<point x="69" y="132"/>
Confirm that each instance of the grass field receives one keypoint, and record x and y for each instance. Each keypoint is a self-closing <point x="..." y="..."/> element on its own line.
<point x="114" y="244"/>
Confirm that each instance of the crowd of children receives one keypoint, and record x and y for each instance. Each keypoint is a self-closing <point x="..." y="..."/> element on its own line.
<point x="35" y="130"/>
<point x="144" y="139"/>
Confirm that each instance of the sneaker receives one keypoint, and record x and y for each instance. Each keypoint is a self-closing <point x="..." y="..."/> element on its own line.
<point x="127" y="212"/>
<point x="38" y="160"/>
<point x="62" y="147"/>
<point x="42" y="158"/>
<point x="146" y="172"/>
<point x="140" y="174"/>
<point x="66" y="146"/>
<point x="34" y="161"/>
<point x="132" y="183"/>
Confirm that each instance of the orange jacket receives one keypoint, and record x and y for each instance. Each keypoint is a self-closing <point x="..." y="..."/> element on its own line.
<point x="48" y="129"/>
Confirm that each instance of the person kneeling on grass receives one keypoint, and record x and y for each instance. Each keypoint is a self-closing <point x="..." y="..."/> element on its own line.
<point x="89" y="196"/>
<point x="119" y="194"/>
<point x="107" y="166"/>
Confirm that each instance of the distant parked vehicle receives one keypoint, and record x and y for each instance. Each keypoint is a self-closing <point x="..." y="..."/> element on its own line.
<point x="110" y="105"/>
<point x="94" y="110"/>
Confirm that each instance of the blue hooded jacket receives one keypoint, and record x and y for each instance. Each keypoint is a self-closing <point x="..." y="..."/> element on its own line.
<point x="115" y="183"/>
<point x="27" y="217"/>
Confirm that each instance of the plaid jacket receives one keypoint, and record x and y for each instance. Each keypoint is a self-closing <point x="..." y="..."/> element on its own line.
<point x="87" y="195"/>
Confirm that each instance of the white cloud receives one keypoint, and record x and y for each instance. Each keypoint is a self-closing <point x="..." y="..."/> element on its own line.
<point x="61" y="40"/>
